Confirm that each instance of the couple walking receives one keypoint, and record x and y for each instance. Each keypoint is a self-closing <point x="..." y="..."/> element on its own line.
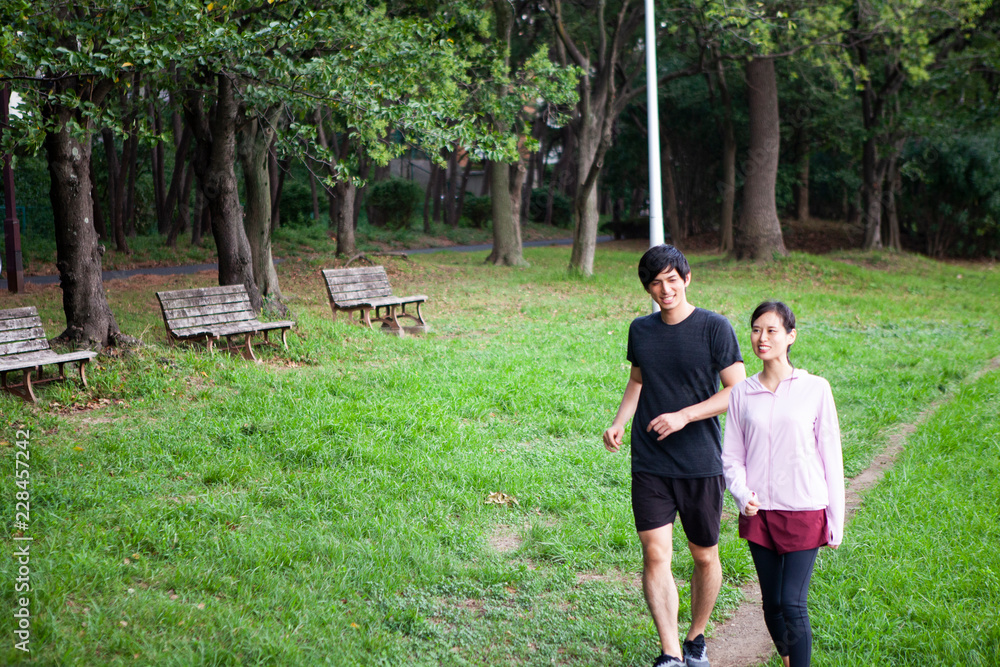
<point x="780" y="459"/>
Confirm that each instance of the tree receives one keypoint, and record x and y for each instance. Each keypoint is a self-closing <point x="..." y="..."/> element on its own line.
<point x="760" y="231"/>
<point x="895" y="41"/>
<point x="614" y="67"/>
<point x="54" y="47"/>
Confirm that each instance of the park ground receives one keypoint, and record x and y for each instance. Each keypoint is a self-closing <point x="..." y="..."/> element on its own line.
<point x="329" y="505"/>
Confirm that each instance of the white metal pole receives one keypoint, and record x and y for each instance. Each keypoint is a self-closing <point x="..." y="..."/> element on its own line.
<point x="653" y="125"/>
<point x="653" y="135"/>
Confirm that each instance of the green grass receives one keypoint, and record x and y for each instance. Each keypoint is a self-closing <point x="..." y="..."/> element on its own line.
<point x="289" y="243"/>
<point x="918" y="579"/>
<point x="327" y="505"/>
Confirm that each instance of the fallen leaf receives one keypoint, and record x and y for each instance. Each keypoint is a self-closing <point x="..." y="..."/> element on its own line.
<point x="501" y="498"/>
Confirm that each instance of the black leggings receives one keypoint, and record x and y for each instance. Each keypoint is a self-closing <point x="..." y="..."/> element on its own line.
<point x="784" y="584"/>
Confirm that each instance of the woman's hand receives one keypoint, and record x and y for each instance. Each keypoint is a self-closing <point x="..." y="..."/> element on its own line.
<point x="751" y="508"/>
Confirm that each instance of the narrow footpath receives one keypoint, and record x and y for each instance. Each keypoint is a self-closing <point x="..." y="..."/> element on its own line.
<point x="743" y="641"/>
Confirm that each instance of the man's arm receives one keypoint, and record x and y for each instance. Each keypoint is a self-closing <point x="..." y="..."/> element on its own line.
<point x="630" y="399"/>
<point x="671" y="422"/>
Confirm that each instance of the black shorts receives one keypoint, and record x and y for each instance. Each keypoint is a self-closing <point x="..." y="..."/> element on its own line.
<point x="656" y="501"/>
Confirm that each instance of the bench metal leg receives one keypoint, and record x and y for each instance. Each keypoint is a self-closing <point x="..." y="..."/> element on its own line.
<point x="23" y="390"/>
<point x="245" y="348"/>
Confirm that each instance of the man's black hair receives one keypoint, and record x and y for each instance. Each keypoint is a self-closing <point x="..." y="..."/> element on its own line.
<point x="662" y="258"/>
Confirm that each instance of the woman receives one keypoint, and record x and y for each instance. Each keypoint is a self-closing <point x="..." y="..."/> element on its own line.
<point x="783" y="464"/>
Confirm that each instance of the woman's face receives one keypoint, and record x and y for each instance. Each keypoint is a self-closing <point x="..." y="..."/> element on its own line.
<point x="769" y="338"/>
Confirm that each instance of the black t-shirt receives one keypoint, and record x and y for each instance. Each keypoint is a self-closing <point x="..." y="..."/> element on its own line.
<point x="680" y="366"/>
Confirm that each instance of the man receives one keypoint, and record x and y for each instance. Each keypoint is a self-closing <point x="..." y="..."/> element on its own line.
<point x="679" y="356"/>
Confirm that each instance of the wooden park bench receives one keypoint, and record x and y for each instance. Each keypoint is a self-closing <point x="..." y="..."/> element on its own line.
<point x="213" y="313"/>
<point x="367" y="290"/>
<point x="24" y="347"/>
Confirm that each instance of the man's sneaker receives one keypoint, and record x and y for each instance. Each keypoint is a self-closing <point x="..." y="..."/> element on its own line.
<point x="694" y="652"/>
<point x="668" y="661"/>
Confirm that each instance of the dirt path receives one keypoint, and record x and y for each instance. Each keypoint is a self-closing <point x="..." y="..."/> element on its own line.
<point x="742" y="641"/>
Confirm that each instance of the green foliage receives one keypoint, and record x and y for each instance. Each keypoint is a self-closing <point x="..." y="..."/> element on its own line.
<point x="479" y="210"/>
<point x="562" y="207"/>
<point x="396" y="199"/>
<point x="296" y="200"/>
<point x="951" y="198"/>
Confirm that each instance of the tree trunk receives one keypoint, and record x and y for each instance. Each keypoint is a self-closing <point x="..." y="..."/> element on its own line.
<point x="183" y="215"/>
<point x="314" y="194"/>
<point x="346" y="193"/>
<point x="276" y="181"/>
<point x="429" y="195"/>
<point x="437" y="195"/>
<point x="89" y="319"/>
<point x="255" y="140"/>
<point x="159" y="175"/>
<point x="585" y="203"/>
<point x="484" y="187"/>
<point x="802" y="185"/>
<point x="181" y="171"/>
<point x="465" y="181"/>
<point x="131" y="154"/>
<point x="871" y="195"/>
<point x="116" y="191"/>
<point x="450" y="214"/>
<point x="506" y="229"/>
<point x="217" y="176"/>
<point x="99" y="226"/>
<point x="667" y="170"/>
<point x="728" y="184"/>
<point x="895" y="184"/>
<point x="759" y="234"/>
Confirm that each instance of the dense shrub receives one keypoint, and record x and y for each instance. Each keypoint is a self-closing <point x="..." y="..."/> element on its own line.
<point x="395" y="199"/>
<point x="951" y="195"/>
<point x="477" y="209"/>
<point x="296" y="201"/>
<point x="562" y="207"/>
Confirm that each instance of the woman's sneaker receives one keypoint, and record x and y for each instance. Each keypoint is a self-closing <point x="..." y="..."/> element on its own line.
<point x="668" y="661"/>
<point x="694" y="652"/>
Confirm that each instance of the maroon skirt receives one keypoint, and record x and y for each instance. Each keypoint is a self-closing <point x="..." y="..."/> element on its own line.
<point x="785" y="530"/>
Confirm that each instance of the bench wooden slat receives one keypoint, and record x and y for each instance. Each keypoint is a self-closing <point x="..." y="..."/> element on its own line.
<point x="32" y="359"/>
<point x="213" y="320"/>
<point x="220" y="309"/>
<point x="17" y="313"/>
<point x="20" y="323"/>
<point x="360" y="281"/>
<point x="356" y="271"/>
<point x="200" y="292"/>
<point x="205" y="301"/>
<point x="23" y="346"/>
<point x="22" y="334"/>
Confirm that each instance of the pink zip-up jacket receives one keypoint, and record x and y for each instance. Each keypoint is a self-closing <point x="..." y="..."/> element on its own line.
<point x="785" y="448"/>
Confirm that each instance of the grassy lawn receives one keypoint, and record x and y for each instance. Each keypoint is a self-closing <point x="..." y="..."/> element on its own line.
<point x="328" y="505"/>
<point x="39" y="248"/>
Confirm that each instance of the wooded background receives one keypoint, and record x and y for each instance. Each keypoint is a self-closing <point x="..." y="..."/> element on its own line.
<point x="195" y="118"/>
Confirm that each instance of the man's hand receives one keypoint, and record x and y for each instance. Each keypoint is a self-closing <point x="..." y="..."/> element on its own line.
<point x="613" y="438"/>
<point x="667" y="423"/>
